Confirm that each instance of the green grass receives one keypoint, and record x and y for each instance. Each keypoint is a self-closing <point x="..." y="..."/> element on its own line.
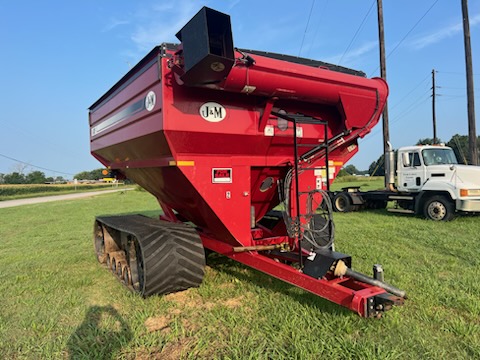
<point x="365" y="183"/>
<point x="59" y="303"/>
<point x="12" y="192"/>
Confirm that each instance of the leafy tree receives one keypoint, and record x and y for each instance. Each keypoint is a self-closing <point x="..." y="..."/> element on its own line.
<point x="90" y="175"/>
<point x="97" y="174"/>
<point x="351" y="169"/>
<point x="84" y="175"/>
<point x="35" y="177"/>
<point x="60" y="179"/>
<point x="459" y="144"/>
<point x="427" y="141"/>
<point x="377" y="168"/>
<point x="2" y="180"/>
<point x="14" y="178"/>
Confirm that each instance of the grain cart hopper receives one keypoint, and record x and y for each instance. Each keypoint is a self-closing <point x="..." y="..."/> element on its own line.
<point x="222" y="136"/>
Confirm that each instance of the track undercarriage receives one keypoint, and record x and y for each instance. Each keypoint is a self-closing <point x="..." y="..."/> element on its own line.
<point x="150" y="256"/>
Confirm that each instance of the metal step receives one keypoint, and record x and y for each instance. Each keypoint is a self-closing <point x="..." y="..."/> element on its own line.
<point x="401" y="197"/>
<point x="403" y="211"/>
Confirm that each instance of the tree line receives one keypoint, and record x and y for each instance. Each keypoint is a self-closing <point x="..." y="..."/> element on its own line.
<point x="39" y="177"/>
<point x="34" y="177"/>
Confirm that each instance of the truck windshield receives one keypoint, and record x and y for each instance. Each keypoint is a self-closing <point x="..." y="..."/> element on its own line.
<point x="438" y="156"/>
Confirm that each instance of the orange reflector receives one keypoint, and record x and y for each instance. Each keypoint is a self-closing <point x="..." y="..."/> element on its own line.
<point x="182" y="163"/>
<point x="463" y="192"/>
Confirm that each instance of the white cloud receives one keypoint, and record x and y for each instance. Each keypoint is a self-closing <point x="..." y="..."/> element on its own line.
<point x="162" y="22"/>
<point x="442" y="34"/>
<point x="233" y="4"/>
<point x="353" y="55"/>
<point x="114" y="23"/>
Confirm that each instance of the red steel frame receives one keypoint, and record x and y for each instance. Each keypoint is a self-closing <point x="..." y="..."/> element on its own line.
<point x="344" y="291"/>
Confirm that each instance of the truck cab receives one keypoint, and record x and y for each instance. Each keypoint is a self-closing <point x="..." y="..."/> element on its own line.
<point x="417" y="164"/>
<point x="441" y="186"/>
<point x="429" y="181"/>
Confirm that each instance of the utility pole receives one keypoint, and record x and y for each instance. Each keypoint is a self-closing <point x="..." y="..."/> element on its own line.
<point x="434" y="119"/>
<point x="472" y="133"/>
<point x="383" y="74"/>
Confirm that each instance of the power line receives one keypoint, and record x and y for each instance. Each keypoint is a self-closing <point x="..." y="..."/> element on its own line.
<point x="408" y="33"/>
<point x="416" y="104"/>
<point x="455" y="88"/>
<point x="319" y="22"/>
<point x="410" y="92"/>
<point x="454" y="73"/>
<point x="358" y="30"/>
<point x="420" y="101"/>
<point x="35" y="166"/>
<point x="306" y="27"/>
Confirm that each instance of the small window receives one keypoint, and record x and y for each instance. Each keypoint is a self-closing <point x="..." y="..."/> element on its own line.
<point x="413" y="160"/>
<point x="416" y="159"/>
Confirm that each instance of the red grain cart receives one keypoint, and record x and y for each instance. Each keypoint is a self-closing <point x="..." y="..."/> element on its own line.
<point x="221" y="137"/>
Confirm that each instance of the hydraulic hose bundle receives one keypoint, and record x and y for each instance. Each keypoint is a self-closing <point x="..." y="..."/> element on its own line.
<point x="317" y="227"/>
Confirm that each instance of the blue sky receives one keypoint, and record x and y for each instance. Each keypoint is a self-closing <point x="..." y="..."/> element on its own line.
<point x="58" y="57"/>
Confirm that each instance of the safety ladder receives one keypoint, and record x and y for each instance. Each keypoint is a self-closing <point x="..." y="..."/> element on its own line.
<point x="302" y="159"/>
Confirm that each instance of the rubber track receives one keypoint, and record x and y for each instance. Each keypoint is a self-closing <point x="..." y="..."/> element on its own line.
<point x="172" y="253"/>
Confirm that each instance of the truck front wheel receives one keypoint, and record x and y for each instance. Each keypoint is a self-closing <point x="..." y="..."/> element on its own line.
<point x="342" y="203"/>
<point x="439" y="208"/>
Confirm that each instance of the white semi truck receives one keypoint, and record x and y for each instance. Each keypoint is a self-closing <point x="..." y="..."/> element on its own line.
<point x="429" y="181"/>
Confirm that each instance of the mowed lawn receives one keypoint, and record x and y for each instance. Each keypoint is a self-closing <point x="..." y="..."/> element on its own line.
<point x="57" y="302"/>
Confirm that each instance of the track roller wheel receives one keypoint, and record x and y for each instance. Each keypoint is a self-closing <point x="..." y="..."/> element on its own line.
<point x="113" y="265"/>
<point x="99" y="243"/>
<point x="119" y="270"/>
<point x="126" y="277"/>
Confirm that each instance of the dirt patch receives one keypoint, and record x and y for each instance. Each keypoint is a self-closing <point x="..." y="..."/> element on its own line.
<point x="177" y="350"/>
<point x="225" y="286"/>
<point x="234" y="302"/>
<point x="187" y="299"/>
<point x="189" y="326"/>
<point x="157" y="323"/>
<point x="174" y="312"/>
<point x="181" y="297"/>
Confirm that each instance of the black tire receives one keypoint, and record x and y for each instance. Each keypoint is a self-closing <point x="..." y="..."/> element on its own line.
<point x="439" y="208"/>
<point x="342" y="202"/>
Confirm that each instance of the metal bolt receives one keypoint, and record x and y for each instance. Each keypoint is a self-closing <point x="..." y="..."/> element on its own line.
<point x="378" y="272"/>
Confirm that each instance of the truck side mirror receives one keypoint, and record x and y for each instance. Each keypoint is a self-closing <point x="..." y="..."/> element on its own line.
<point x="405" y="159"/>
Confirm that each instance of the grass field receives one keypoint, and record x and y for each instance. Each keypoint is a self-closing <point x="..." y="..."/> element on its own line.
<point x="365" y="183"/>
<point x="59" y="303"/>
<point x="12" y="192"/>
